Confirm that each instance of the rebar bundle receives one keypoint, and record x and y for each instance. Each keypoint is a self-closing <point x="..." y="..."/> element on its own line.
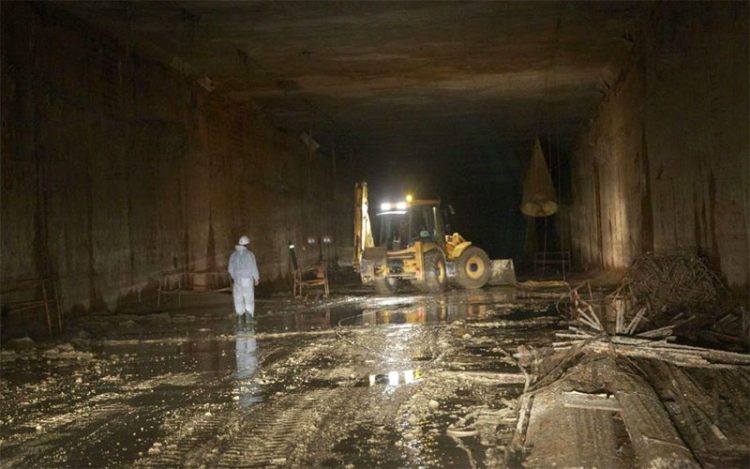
<point x="658" y="293"/>
<point x="673" y="281"/>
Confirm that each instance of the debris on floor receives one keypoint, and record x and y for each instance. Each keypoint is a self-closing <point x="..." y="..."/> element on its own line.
<point x="465" y="379"/>
<point x="664" y="296"/>
<point x="626" y="385"/>
<point x="611" y="404"/>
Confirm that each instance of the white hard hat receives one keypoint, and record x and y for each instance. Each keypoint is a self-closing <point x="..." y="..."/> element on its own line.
<point x="244" y="240"/>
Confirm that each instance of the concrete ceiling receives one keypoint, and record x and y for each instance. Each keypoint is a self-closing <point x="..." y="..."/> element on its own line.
<point x="402" y="83"/>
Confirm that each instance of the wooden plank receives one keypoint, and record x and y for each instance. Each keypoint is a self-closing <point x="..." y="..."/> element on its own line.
<point x="596" y="317"/>
<point x="581" y="400"/>
<point x="660" y="332"/>
<point x="524" y="408"/>
<point x="565" y="335"/>
<point x="660" y="349"/>
<point x="620" y="321"/>
<point x="634" y="323"/>
<point x="561" y="436"/>
<point x="572" y="428"/>
<point x="499" y="378"/>
<point x="654" y="437"/>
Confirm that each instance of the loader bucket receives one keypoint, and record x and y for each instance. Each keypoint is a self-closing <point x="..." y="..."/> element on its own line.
<point x="503" y="272"/>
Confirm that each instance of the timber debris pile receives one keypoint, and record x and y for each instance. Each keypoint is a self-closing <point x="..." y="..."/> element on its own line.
<point x="630" y="371"/>
<point x="679" y="290"/>
<point x="663" y="296"/>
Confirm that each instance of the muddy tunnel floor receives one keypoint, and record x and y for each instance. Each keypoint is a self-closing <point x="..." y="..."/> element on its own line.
<point x="355" y="380"/>
<point x="352" y="381"/>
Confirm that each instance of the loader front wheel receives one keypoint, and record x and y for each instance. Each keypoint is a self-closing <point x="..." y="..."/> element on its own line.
<point x="435" y="277"/>
<point x="385" y="285"/>
<point x="473" y="268"/>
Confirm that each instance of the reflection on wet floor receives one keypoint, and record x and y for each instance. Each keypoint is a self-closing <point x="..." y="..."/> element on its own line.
<point x="246" y="353"/>
<point x="396" y="377"/>
<point x="405" y="309"/>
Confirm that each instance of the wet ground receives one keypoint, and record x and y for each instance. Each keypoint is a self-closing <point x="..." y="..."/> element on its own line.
<point x="354" y="381"/>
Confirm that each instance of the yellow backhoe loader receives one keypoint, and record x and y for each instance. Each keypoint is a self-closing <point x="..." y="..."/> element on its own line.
<point x="412" y="246"/>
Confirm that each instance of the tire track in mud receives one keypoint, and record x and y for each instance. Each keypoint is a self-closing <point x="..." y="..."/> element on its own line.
<point x="260" y="436"/>
<point x="60" y="435"/>
<point x="274" y="436"/>
<point x="219" y="438"/>
<point x="298" y="430"/>
<point x="77" y="431"/>
<point x="292" y="429"/>
<point x="78" y="434"/>
<point x="46" y="450"/>
<point x="192" y="440"/>
<point x="40" y="418"/>
<point x="189" y="436"/>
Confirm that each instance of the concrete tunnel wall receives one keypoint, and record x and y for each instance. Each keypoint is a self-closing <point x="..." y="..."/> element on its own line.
<point x="117" y="169"/>
<point x="665" y="163"/>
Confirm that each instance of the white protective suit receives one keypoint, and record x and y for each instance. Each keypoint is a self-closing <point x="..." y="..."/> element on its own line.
<point x="244" y="272"/>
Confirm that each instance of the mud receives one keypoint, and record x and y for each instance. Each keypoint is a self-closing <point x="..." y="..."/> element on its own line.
<point x="354" y="381"/>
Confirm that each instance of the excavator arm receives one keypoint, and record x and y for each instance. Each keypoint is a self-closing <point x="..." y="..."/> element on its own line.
<point x="362" y="227"/>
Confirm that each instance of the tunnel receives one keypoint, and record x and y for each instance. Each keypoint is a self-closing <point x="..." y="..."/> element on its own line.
<point x="375" y="234"/>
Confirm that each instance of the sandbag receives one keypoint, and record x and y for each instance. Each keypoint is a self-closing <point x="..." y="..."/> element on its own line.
<point x="539" y="197"/>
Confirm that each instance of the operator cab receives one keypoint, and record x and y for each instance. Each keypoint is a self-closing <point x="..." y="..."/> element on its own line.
<point x="404" y="223"/>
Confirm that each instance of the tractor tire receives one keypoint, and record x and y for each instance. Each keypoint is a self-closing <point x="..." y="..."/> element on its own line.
<point x="435" y="276"/>
<point x="385" y="285"/>
<point x="418" y="284"/>
<point x="473" y="268"/>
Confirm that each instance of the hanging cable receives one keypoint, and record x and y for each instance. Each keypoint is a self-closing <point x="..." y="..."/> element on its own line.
<point x="553" y="127"/>
<point x="549" y="130"/>
<point x="561" y="220"/>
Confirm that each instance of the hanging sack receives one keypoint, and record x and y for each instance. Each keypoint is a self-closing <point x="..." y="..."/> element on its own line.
<point x="539" y="197"/>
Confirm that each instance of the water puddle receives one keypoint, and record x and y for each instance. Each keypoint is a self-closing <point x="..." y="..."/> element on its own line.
<point x="451" y="306"/>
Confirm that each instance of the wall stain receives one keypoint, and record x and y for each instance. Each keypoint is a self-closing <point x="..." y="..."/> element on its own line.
<point x="697" y="232"/>
<point x="647" y="211"/>
<point x="211" y="247"/>
<point x="598" y="195"/>
<point x="90" y="232"/>
<point x="41" y="248"/>
<point x="715" y="253"/>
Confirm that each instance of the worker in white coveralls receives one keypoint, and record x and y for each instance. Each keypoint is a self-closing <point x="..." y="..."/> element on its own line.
<point x="244" y="272"/>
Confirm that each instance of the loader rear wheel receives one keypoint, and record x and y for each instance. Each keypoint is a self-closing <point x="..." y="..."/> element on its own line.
<point x="473" y="268"/>
<point x="385" y="285"/>
<point x="435" y="277"/>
